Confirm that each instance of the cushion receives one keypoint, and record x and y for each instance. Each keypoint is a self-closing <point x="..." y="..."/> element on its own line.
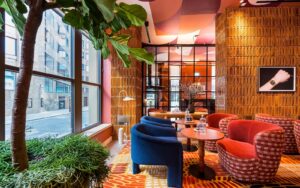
<point x="239" y="149"/>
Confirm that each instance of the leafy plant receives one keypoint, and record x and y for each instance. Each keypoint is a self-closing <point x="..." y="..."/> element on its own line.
<point x="101" y="19"/>
<point x="73" y="161"/>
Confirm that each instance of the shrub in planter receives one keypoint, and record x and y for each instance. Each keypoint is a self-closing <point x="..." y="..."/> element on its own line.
<point x="72" y="161"/>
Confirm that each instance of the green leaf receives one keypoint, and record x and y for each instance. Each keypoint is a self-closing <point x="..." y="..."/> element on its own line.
<point x="142" y="55"/>
<point x="124" y="58"/>
<point x="135" y="13"/>
<point x="105" y="50"/>
<point x="121" y="38"/>
<point x="10" y="6"/>
<point x="74" y="18"/>
<point x="21" y="7"/>
<point x="120" y="43"/>
<point x="106" y="7"/>
<point x="1" y="22"/>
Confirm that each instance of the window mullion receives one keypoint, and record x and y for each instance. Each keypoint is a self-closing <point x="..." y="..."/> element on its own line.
<point x="77" y="85"/>
<point x="2" y="81"/>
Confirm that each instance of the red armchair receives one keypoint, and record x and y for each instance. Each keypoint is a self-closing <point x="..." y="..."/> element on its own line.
<point x="288" y="125"/>
<point x="218" y="121"/>
<point x="253" y="150"/>
<point x="297" y="133"/>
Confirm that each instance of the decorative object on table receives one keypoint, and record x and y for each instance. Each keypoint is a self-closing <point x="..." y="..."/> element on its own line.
<point x="201" y="126"/>
<point x="277" y="79"/>
<point x="191" y="90"/>
<point x="123" y="119"/>
<point x="188" y="116"/>
<point x="255" y="148"/>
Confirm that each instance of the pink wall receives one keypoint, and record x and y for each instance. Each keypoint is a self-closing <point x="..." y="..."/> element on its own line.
<point x="106" y="93"/>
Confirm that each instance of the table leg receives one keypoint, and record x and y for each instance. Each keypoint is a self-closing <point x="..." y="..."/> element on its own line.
<point x="200" y="170"/>
<point x="201" y="153"/>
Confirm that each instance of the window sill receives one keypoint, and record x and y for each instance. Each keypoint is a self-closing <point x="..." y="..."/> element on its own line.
<point x="96" y="130"/>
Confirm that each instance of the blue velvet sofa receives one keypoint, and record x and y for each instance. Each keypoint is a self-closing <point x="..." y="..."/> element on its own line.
<point x="154" y="145"/>
<point x="148" y="120"/>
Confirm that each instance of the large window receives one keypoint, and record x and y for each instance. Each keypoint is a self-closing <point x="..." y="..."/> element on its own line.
<point x="176" y="67"/>
<point x="91" y="79"/>
<point x="52" y="103"/>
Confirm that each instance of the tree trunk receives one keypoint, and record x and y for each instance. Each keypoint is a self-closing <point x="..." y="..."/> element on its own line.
<point x="18" y="147"/>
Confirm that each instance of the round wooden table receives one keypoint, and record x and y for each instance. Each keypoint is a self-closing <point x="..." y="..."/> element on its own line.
<point x="187" y="124"/>
<point x="201" y="170"/>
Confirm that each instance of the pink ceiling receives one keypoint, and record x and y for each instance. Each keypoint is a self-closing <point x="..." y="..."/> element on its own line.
<point x="186" y="21"/>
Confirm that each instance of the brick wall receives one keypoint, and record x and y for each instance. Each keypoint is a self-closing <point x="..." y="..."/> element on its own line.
<point x="249" y="38"/>
<point x="130" y="80"/>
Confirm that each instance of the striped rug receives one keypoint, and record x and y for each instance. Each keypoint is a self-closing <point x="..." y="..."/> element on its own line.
<point x="121" y="176"/>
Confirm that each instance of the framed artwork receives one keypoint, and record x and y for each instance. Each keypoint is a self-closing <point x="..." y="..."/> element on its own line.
<point x="277" y="79"/>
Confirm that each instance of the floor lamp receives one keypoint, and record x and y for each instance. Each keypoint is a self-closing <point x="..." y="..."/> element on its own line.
<point x="123" y="118"/>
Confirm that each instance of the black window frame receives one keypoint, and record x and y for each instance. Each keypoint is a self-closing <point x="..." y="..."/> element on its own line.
<point x="75" y="80"/>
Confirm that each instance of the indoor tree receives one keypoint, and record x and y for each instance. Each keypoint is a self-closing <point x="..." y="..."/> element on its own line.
<point x="101" y="19"/>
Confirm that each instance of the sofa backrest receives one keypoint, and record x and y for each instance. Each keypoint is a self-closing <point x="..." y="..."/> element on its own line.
<point x="245" y="130"/>
<point x="214" y="119"/>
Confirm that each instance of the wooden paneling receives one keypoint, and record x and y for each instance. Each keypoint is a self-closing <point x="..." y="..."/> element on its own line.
<point x="246" y="39"/>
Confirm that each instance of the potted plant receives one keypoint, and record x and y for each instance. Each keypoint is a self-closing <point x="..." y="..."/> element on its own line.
<point x="101" y="19"/>
<point x="71" y="161"/>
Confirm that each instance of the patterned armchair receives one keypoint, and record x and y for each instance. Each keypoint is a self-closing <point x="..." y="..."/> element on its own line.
<point x="288" y="125"/>
<point x="253" y="150"/>
<point x="297" y="133"/>
<point x="218" y="121"/>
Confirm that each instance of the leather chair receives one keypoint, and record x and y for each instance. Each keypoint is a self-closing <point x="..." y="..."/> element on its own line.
<point x="154" y="145"/>
<point x="253" y="150"/>
<point x="218" y="121"/>
<point x="297" y="133"/>
<point x="288" y="125"/>
<point x="148" y="120"/>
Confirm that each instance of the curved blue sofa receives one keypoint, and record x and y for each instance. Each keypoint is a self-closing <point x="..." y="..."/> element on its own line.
<point x="154" y="145"/>
<point x="148" y="120"/>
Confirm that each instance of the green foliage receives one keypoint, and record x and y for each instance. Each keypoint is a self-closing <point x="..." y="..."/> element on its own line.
<point x="95" y="17"/>
<point x="72" y="161"/>
<point x="16" y="9"/>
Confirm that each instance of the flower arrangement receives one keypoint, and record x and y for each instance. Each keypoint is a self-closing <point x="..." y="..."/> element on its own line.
<point x="191" y="90"/>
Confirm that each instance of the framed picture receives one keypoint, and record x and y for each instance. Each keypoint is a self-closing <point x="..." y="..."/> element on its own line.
<point x="277" y="79"/>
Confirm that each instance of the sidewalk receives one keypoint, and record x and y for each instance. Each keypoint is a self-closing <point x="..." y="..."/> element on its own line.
<point x="43" y="115"/>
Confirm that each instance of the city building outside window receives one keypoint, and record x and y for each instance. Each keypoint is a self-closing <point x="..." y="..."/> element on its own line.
<point x="50" y="109"/>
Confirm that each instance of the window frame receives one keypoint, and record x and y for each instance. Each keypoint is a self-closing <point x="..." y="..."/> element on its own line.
<point x="75" y="79"/>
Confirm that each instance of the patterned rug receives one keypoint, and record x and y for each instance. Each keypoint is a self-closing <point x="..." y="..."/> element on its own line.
<point x="121" y="176"/>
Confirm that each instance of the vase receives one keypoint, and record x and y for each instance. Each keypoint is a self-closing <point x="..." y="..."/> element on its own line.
<point x="191" y="107"/>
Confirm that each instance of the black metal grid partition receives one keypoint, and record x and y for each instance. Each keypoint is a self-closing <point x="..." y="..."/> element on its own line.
<point x="176" y="66"/>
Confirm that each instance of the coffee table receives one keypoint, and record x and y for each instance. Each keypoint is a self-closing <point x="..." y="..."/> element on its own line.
<point x="187" y="124"/>
<point x="201" y="170"/>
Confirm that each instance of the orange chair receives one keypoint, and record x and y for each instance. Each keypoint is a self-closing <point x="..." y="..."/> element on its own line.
<point x="288" y="125"/>
<point x="252" y="151"/>
<point x="218" y="121"/>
